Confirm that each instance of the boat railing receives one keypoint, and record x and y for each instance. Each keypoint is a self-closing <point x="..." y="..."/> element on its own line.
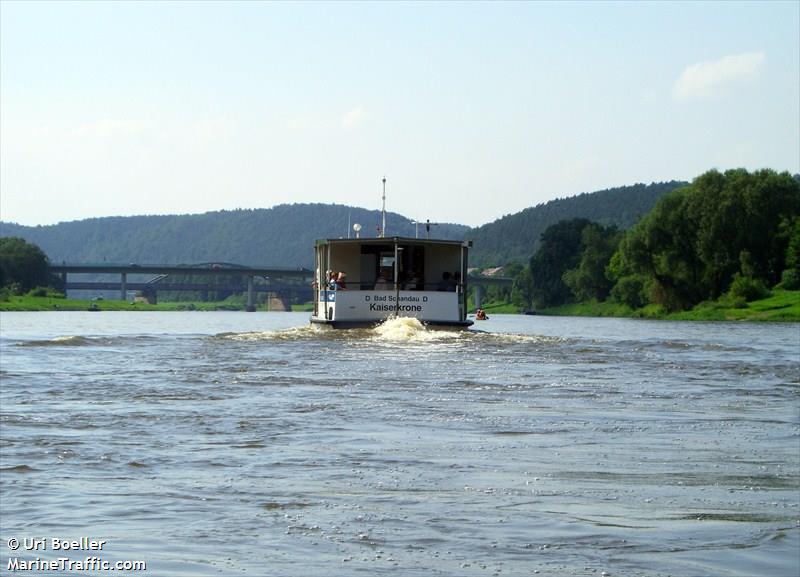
<point x="404" y="286"/>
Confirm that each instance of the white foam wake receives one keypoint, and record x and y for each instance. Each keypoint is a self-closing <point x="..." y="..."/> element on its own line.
<point x="411" y="329"/>
<point x="400" y="329"/>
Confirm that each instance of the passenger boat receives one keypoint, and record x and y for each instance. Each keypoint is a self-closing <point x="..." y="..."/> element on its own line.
<point x="390" y="277"/>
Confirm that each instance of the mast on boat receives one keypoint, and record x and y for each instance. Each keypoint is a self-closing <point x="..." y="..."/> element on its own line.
<point x="383" y="210"/>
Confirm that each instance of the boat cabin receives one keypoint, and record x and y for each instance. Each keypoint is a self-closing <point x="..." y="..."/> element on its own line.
<point x="388" y="277"/>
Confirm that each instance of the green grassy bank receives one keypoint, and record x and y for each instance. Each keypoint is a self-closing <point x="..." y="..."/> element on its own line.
<point x="33" y="303"/>
<point x="779" y="306"/>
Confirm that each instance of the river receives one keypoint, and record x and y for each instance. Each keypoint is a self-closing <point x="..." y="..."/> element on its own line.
<point x="253" y="444"/>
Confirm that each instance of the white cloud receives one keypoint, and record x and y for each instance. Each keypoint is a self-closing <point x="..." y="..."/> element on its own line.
<point x="708" y="78"/>
<point x="354" y="117"/>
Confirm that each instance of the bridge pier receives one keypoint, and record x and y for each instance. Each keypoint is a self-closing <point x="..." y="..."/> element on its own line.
<point x="278" y="302"/>
<point x="251" y="303"/>
<point x="478" y="296"/>
<point x="123" y="286"/>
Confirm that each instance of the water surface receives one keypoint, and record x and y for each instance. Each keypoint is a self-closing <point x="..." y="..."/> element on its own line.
<point x="236" y="443"/>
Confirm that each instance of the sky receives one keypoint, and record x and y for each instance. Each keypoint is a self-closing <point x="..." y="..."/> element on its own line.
<point x="470" y="110"/>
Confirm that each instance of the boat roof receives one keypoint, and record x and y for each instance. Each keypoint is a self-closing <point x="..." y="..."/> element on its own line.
<point x="392" y="240"/>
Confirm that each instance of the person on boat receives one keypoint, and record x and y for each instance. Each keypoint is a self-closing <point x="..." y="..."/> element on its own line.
<point x="414" y="282"/>
<point x="480" y="315"/>
<point x="332" y="280"/>
<point x="340" y="282"/>
<point x="456" y="284"/>
<point x="446" y="282"/>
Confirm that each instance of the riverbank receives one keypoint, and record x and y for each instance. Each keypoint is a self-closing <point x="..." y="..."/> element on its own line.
<point x="50" y="303"/>
<point x="780" y="306"/>
<point x="31" y="303"/>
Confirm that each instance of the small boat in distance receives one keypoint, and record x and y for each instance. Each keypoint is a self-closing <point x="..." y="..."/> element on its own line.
<point x="390" y="277"/>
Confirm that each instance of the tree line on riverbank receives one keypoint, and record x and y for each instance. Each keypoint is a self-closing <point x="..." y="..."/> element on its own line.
<point x="23" y="268"/>
<point x="730" y="235"/>
<point x="514" y="237"/>
<point x="283" y="235"/>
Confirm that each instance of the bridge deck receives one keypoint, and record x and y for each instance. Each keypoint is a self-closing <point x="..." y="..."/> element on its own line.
<point x="177" y="269"/>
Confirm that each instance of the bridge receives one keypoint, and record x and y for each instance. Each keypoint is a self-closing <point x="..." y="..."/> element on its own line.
<point x="274" y="279"/>
<point x="480" y="282"/>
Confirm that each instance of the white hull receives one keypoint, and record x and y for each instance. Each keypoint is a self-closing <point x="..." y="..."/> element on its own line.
<point x="370" y="307"/>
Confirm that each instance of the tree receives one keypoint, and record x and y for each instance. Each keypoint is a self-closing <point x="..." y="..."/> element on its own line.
<point x="588" y="281"/>
<point x="740" y="211"/>
<point x="22" y="264"/>
<point x="790" y="278"/>
<point x="662" y="249"/>
<point x="793" y="244"/>
<point x="522" y="290"/>
<point x="630" y="288"/>
<point x="698" y="239"/>
<point x="559" y="251"/>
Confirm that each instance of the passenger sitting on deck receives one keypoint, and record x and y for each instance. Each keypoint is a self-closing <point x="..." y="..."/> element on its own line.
<point x="332" y="280"/>
<point x="446" y="282"/>
<point x="340" y="284"/>
<point x="456" y="281"/>
<point x="414" y="282"/>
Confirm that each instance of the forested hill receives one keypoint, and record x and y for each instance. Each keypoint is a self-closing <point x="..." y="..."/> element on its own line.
<point x="284" y="235"/>
<point x="515" y="237"/>
<point x="280" y="236"/>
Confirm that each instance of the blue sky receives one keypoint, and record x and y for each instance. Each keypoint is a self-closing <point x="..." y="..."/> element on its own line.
<point x="471" y="110"/>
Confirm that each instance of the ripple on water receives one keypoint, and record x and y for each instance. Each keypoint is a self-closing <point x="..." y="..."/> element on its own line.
<point x="86" y="341"/>
<point x="18" y="469"/>
<point x="66" y="341"/>
<point x="402" y="450"/>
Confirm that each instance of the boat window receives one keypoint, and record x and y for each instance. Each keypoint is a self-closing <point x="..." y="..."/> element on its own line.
<point x="385" y="279"/>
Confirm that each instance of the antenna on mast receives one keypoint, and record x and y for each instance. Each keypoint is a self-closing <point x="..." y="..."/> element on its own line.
<point x="383" y="210"/>
<point x="428" y="225"/>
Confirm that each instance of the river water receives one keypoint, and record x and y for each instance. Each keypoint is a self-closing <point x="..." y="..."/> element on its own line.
<point x="252" y="444"/>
